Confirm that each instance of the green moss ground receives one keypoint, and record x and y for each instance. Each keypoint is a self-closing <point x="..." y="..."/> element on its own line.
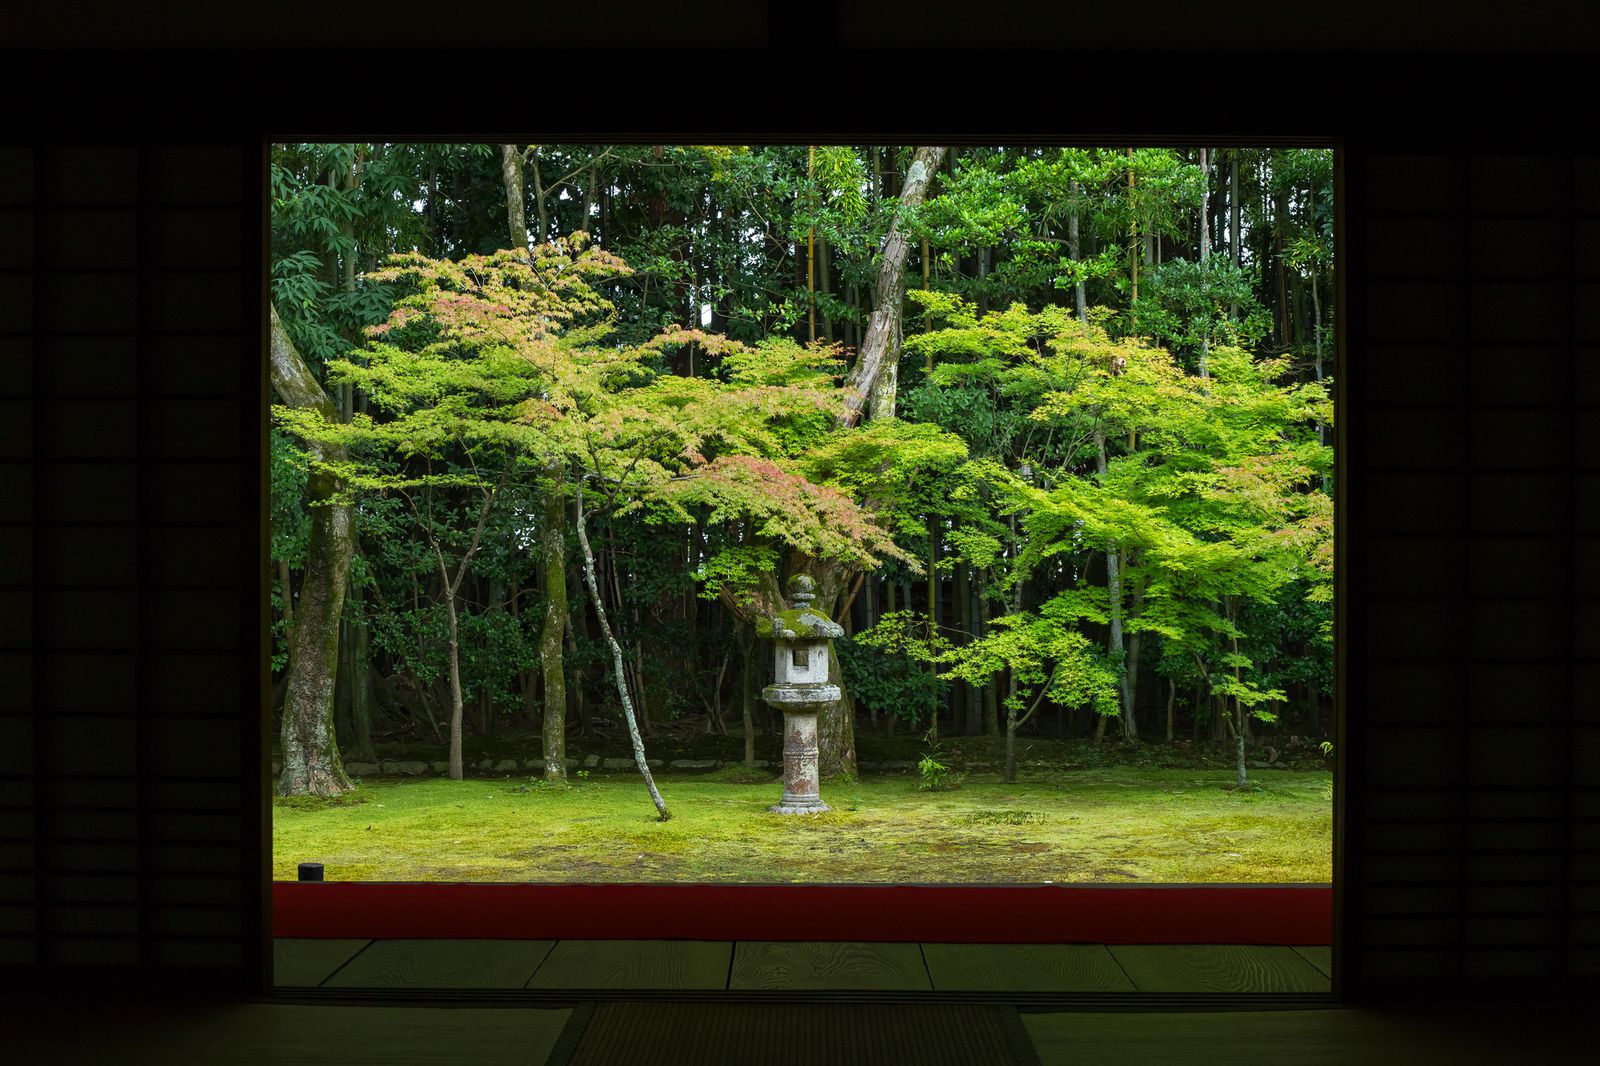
<point x="1127" y="824"/>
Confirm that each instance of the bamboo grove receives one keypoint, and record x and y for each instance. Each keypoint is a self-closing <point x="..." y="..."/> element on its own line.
<point x="1050" y="427"/>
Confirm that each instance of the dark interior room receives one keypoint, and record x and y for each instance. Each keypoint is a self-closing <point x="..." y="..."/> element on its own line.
<point x="136" y="898"/>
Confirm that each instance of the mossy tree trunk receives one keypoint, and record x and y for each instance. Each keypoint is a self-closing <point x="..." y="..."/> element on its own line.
<point x="311" y="762"/>
<point x="836" y="724"/>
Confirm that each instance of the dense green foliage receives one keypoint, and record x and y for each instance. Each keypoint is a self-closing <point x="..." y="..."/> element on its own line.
<point x="1106" y="493"/>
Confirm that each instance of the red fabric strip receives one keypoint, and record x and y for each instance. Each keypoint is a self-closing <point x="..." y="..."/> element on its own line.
<point x="956" y="914"/>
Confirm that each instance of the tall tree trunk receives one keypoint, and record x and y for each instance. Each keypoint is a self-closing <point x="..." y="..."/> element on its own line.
<point x="874" y="376"/>
<point x="311" y="762"/>
<point x="553" y="558"/>
<point x="616" y="660"/>
<point x="516" y="199"/>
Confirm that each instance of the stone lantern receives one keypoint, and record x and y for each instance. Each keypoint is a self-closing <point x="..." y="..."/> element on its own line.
<point x="801" y="637"/>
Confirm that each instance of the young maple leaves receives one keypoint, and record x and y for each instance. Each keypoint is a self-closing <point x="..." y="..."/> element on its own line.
<point x="501" y="362"/>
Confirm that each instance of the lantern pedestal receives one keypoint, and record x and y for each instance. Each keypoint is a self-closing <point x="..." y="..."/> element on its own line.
<point x="801" y="782"/>
<point x="801" y="654"/>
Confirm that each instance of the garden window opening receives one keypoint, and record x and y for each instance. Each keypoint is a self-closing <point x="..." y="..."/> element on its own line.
<point x="802" y="513"/>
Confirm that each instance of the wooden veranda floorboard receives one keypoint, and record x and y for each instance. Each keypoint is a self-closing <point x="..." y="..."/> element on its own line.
<point x="1217" y="968"/>
<point x="828" y="965"/>
<point x="640" y="964"/>
<point x="1024" y="968"/>
<point x="443" y="964"/>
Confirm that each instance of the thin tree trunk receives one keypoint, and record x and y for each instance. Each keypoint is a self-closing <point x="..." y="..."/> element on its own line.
<point x="933" y="617"/>
<point x="451" y="594"/>
<point x="1135" y="641"/>
<point x="1235" y="210"/>
<point x="963" y="707"/>
<point x="553" y="557"/>
<point x="1205" y="247"/>
<point x="1010" y="775"/>
<point x="543" y="235"/>
<point x="874" y="376"/>
<point x="1285" y="316"/>
<point x="1316" y="329"/>
<point x="1130" y="725"/>
<point x="287" y="587"/>
<point x="616" y="659"/>
<point x="588" y="200"/>
<point x="747" y="690"/>
<point x="983" y="276"/>
<point x="889" y="608"/>
<point x="811" y="251"/>
<point x="1133" y="244"/>
<point x="825" y="269"/>
<point x="456" y="708"/>
<point x="1075" y="252"/>
<point x="577" y="701"/>
<point x="311" y="762"/>
<point x="361" y="682"/>
<point x="352" y="182"/>
<point x="1172" y="696"/>
<point x="1241" y="721"/>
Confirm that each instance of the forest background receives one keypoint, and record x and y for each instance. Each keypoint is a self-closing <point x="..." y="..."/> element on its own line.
<point x="1051" y="427"/>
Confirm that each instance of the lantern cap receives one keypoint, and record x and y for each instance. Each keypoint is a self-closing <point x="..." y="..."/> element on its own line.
<point x="802" y="622"/>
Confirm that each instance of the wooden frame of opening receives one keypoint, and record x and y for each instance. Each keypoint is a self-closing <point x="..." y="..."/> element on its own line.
<point x="1122" y="913"/>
